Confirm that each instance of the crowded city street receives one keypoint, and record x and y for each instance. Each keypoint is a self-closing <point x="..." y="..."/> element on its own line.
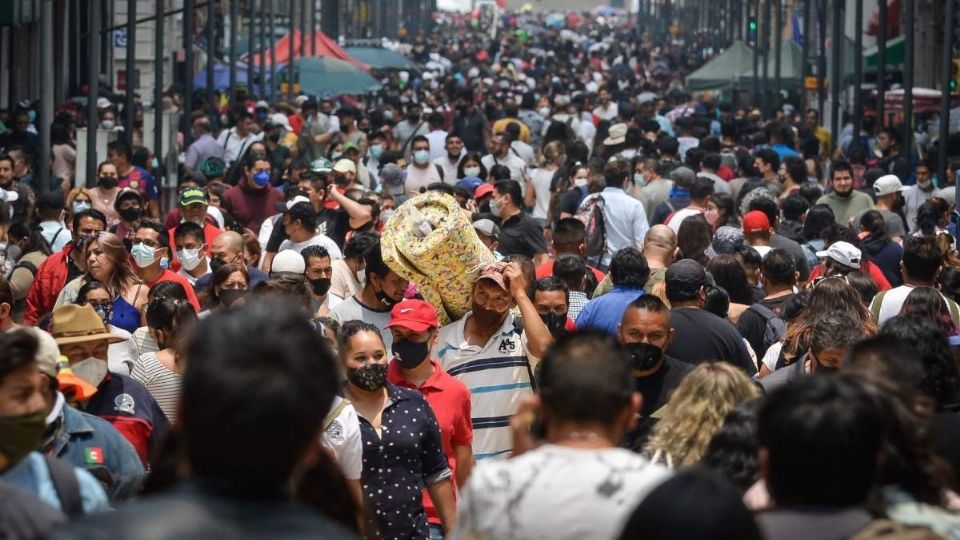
<point x="479" y="269"/>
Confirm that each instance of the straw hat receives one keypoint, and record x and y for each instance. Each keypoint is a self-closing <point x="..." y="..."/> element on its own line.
<point x="79" y="324"/>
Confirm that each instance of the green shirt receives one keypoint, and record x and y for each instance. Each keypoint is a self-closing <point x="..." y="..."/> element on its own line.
<point x="846" y="209"/>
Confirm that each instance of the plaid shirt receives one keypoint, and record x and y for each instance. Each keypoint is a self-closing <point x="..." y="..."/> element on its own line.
<point x="578" y="299"/>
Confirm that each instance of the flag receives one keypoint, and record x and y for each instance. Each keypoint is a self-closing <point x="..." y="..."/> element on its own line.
<point x="93" y="455"/>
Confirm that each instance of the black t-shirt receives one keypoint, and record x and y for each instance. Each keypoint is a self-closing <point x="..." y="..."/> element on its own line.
<point x="946" y="424"/>
<point x="570" y="200"/>
<point x="656" y="390"/>
<point x="334" y="222"/>
<point x="702" y="337"/>
<point x="470" y="128"/>
<point x="521" y="234"/>
<point x="752" y="325"/>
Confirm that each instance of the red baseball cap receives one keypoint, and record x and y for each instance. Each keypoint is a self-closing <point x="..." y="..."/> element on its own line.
<point x="755" y="221"/>
<point x="415" y="315"/>
<point x="482" y="190"/>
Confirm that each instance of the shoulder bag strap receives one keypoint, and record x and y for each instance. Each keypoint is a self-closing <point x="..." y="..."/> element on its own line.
<point x="335" y="413"/>
<point x="65" y="483"/>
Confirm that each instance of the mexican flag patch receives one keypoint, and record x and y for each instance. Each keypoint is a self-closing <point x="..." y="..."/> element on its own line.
<point x="93" y="455"/>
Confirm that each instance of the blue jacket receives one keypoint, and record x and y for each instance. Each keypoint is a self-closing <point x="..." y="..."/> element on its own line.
<point x="91" y="443"/>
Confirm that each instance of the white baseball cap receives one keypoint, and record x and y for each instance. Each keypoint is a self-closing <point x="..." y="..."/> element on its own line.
<point x="843" y="253"/>
<point x="8" y="196"/>
<point x="887" y="184"/>
<point x="290" y="261"/>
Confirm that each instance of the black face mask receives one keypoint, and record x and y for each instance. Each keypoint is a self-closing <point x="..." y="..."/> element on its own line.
<point x="642" y="356"/>
<point x="129" y="214"/>
<point x="369" y="377"/>
<point x="320" y="286"/>
<point x="485" y="317"/>
<point x="410" y="354"/>
<point x="413" y="118"/>
<point x="215" y="263"/>
<point x="107" y="182"/>
<point x="229" y="296"/>
<point x="555" y="323"/>
<point x="274" y="137"/>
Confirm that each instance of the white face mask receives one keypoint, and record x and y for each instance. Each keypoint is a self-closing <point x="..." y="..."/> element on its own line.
<point x="579" y="182"/>
<point x="544" y="111"/>
<point x="107" y="124"/>
<point x="143" y="255"/>
<point x="189" y="258"/>
<point x="471" y="171"/>
<point x="80" y="206"/>
<point x="90" y="370"/>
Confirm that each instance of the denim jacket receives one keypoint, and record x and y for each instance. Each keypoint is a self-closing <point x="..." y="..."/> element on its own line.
<point x="91" y="443"/>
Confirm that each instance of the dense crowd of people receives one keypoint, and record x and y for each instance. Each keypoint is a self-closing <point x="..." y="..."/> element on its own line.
<point x="680" y="320"/>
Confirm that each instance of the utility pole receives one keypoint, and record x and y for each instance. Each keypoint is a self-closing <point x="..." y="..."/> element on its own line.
<point x="263" y="49"/>
<point x="46" y="95"/>
<point x="158" y="49"/>
<point x="188" y="25"/>
<point x="822" y="57"/>
<point x="882" y="61"/>
<point x="805" y="46"/>
<point x="946" y="64"/>
<point x="836" y="78"/>
<point x="909" y="52"/>
<point x="777" y="47"/>
<point x="233" y="50"/>
<point x="93" y="80"/>
<point x="289" y="70"/>
<point x="857" y="71"/>
<point x="765" y="32"/>
<point x="211" y="37"/>
<point x="131" y="68"/>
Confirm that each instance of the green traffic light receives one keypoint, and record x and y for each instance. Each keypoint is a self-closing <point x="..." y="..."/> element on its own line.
<point x="953" y="85"/>
<point x="753" y="25"/>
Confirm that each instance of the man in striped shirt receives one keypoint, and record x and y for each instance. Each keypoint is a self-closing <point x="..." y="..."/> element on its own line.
<point x="494" y="359"/>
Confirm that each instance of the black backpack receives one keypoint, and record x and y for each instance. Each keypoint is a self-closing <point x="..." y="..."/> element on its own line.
<point x="775" y="327"/>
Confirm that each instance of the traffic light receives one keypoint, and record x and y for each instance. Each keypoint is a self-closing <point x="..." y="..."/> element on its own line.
<point x="752" y="31"/>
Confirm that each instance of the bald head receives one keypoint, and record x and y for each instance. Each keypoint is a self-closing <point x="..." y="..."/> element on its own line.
<point x="660" y="246"/>
<point x="228" y="246"/>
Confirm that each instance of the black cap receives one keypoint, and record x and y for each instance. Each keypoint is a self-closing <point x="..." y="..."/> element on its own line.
<point x="684" y="279"/>
<point x="302" y="211"/>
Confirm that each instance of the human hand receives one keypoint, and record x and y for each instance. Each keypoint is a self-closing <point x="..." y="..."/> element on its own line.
<point x="515" y="280"/>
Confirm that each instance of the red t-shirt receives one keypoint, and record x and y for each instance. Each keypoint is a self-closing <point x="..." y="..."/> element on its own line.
<point x="875" y="273"/>
<point x="177" y="278"/>
<point x="450" y="401"/>
<point x="546" y="270"/>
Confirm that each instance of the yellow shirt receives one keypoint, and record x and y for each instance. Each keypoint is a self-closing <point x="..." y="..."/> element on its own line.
<point x="501" y="125"/>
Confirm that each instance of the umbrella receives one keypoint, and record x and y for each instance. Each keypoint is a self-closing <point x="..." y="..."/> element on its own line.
<point x="380" y="58"/>
<point x="322" y="75"/>
<point x="221" y="76"/>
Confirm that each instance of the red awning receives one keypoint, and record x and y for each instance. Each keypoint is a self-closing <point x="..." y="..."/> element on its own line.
<point x="893" y="19"/>
<point x="324" y="47"/>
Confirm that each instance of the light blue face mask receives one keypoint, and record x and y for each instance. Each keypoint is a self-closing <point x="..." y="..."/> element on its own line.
<point x="639" y="180"/>
<point x="32" y="116"/>
<point x="421" y="156"/>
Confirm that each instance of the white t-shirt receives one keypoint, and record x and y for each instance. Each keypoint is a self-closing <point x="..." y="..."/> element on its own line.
<point x="555" y="492"/>
<point x="762" y="250"/>
<point x="680" y="215"/>
<point x="541" y="178"/>
<point x="321" y="240"/>
<point x="352" y="310"/>
<point x="891" y="301"/>
<point x="342" y="437"/>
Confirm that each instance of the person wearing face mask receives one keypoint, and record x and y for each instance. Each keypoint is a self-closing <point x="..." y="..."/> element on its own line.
<point x="118" y="399"/>
<point x="14" y="193"/>
<point x="486" y="351"/>
<point x="227" y="248"/>
<point x="409" y="128"/>
<point x="23" y="413"/>
<point x="701" y="335"/>
<point x="129" y="207"/>
<point x="169" y="320"/>
<point x="62" y="267"/>
<point x="119" y="356"/>
<point x="421" y="172"/>
<point x="76" y="437"/>
<point x="383" y="288"/>
<point x="917" y="194"/>
<point x="253" y="199"/>
<point x="104" y="195"/>
<point x="190" y="250"/>
<point x="415" y="330"/>
<point x="229" y="286"/>
<point x="134" y="177"/>
<point x="645" y="333"/>
<point x="203" y="145"/>
<point x="409" y="458"/>
<point x="375" y="150"/>
<point x="193" y="209"/>
<point x="551" y="296"/>
<point x="318" y="271"/>
<point x="833" y="334"/>
<point x="519" y="233"/>
<point x="50" y="212"/>
<point x="151" y="246"/>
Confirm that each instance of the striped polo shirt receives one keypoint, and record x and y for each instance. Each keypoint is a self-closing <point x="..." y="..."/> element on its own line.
<point x="497" y="375"/>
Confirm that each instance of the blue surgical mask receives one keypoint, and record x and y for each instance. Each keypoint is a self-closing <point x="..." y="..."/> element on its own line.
<point x="143" y="255"/>
<point x="32" y="116"/>
<point x="639" y="180"/>
<point x="376" y="151"/>
<point x="261" y="178"/>
<point x="155" y="163"/>
<point x="421" y="156"/>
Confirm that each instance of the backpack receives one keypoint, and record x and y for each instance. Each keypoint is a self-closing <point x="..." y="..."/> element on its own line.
<point x="591" y="214"/>
<point x="775" y="327"/>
